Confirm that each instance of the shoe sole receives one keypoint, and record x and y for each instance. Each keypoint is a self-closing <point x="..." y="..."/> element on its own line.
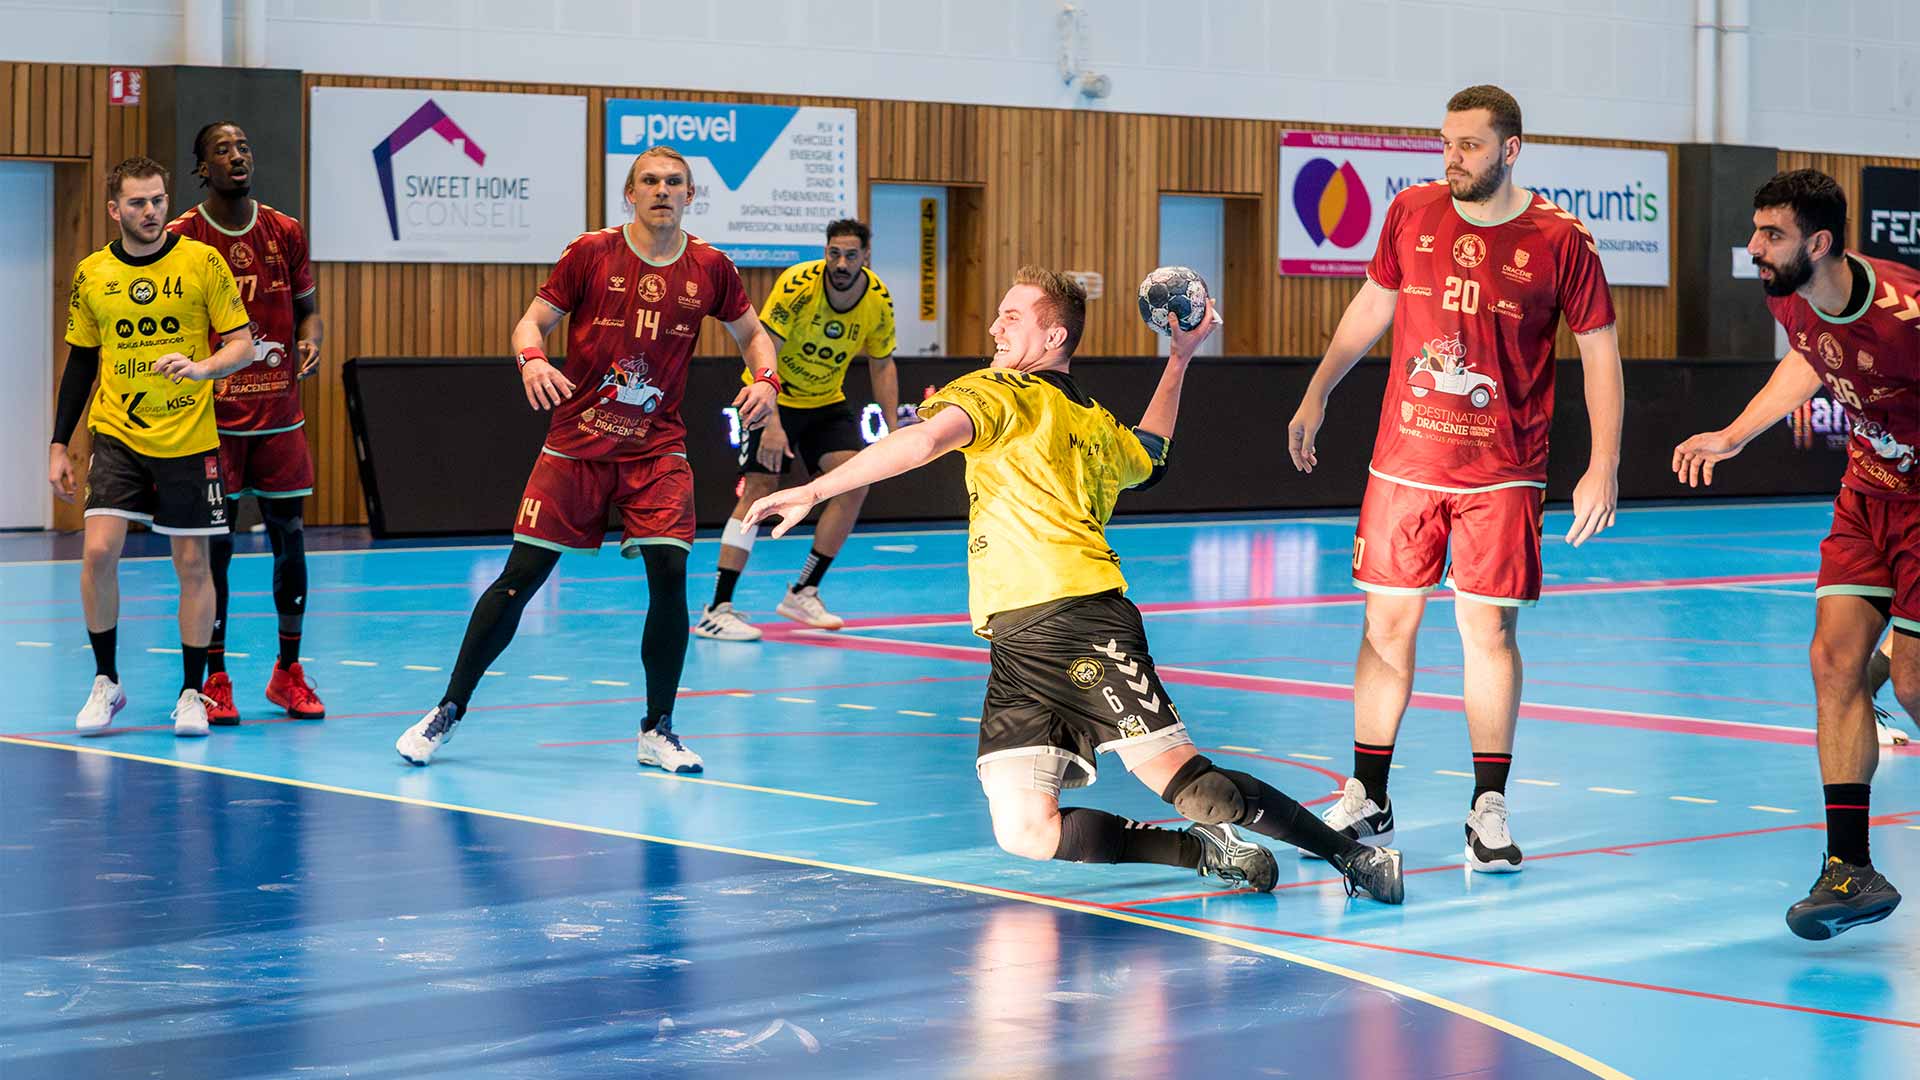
<point x="1496" y="866"/>
<point x="1816" y="926"/>
<point x="104" y="724"/>
<point x="224" y="721"/>
<point x="418" y="763"/>
<point x="1376" y="840"/>
<point x="671" y="772"/>
<point x="837" y="624"/>
<point x="724" y="637"/>
<point x="321" y="715"/>
<point x="189" y="732"/>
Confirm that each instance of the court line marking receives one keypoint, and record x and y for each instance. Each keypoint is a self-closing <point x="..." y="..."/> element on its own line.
<point x="755" y="787"/>
<point x="1507" y="1027"/>
<point x="1694" y="799"/>
<point x="1773" y="809"/>
<point x="421" y="667"/>
<point x="797" y="700"/>
<point x="1614" y="790"/>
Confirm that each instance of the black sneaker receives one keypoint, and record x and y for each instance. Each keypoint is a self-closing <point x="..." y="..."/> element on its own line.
<point x="1846" y="896"/>
<point x="1233" y="860"/>
<point x="1377" y="870"/>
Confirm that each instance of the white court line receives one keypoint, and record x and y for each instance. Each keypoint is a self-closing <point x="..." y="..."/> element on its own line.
<point x="914" y="712"/>
<point x="421" y="667"/>
<point x="1773" y="809"/>
<point x="968" y="719"/>
<point x="607" y="682"/>
<point x="1312" y="757"/>
<point x="37" y="644"/>
<point x="797" y="700"/>
<point x="1614" y="790"/>
<point x="1450" y="772"/>
<point x="359" y="663"/>
<point x="549" y="678"/>
<point x="851" y="705"/>
<point x="167" y="652"/>
<point x="1693" y="799"/>
<point x="1246" y="749"/>
<point x="1538" y="783"/>
<point x="495" y="674"/>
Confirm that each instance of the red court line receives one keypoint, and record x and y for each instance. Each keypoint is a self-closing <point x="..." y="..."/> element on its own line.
<point x="1525" y="969"/>
<point x="1901" y="818"/>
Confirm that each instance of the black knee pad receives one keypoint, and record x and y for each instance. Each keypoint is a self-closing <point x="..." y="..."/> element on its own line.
<point x="1203" y="793"/>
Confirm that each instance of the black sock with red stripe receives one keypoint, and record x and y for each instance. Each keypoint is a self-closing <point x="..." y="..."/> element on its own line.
<point x="1489" y="774"/>
<point x="1370" y="765"/>
<point x="1847" y="815"/>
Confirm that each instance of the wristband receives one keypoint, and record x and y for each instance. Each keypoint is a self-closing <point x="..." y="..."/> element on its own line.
<point x="767" y="376"/>
<point x="527" y="355"/>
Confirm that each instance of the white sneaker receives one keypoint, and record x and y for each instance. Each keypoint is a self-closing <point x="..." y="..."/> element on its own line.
<point x="804" y="606"/>
<point x="1359" y="817"/>
<point x="1490" y="847"/>
<point x="662" y="748"/>
<point x="104" y="701"/>
<point x="434" y="731"/>
<point x="190" y="714"/>
<point x="1889" y="735"/>
<point x="721" y="623"/>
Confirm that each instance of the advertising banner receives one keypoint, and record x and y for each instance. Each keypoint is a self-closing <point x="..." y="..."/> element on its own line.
<point x="1335" y="187"/>
<point x="767" y="178"/>
<point x="1890" y="213"/>
<point x="444" y="176"/>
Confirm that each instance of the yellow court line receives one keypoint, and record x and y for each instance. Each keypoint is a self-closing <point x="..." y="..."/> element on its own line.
<point x="1532" y="1038"/>
<point x="753" y="787"/>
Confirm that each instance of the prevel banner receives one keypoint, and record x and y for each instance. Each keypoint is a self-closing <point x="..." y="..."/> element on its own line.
<point x="1890" y="213"/>
<point x="767" y="178"/>
<point x="444" y="176"/>
<point x="1335" y="187"/>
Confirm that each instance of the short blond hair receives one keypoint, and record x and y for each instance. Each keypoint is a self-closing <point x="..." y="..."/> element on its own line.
<point x="661" y="151"/>
<point x="1064" y="302"/>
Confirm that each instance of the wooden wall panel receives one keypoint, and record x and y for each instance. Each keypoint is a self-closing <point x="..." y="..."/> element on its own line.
<point x="1077" y="189"/>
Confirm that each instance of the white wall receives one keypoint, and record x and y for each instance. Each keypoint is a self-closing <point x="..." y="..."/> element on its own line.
<point x="1600" y="68"/>
<point x="26" y="300"/>
<point x="895" y="220"/>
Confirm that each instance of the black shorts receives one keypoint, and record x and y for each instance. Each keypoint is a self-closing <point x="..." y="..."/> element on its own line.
<point x="178" y="496"/>
<point x="811" y="433"/>
<point x="1069" y="680"/>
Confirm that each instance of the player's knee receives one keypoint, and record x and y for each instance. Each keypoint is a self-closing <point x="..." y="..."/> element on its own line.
<point x="1030" y="836"/>
<point x="190" y="559"/>
<point x="1391" y="628"/>
<point x="1906" y="682"/>
<point x="1834" y="665"/>
<point x="1202" y="793"/>
<point x="1488" y="628"/>
<point x="98" y="555"/>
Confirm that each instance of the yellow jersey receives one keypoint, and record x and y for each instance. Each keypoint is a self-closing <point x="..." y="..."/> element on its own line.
<point x="819" y="340"/>
<point x="136" y="310"/>
<point x="1044" y="469"/>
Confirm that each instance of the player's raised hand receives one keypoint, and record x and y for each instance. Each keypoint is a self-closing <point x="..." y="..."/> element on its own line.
<point x="1693" y="460"/>
<point x="1302" y="429"/>
<point x="1187" y="342"/>
<point x="546" y="388"/>
<point x="1594" y="499"/>
<point x="175" y="367"/>
<point x="790" y="504"/>
<point x="309" y="357"/>
<point x="60" y="473"/>
<point x="755" y="403"/>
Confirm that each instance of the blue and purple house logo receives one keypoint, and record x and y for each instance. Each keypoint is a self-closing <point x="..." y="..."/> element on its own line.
<point x="428" y="117"/>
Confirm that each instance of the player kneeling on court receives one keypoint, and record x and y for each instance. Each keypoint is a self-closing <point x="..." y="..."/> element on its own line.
<point x="1071" y="675"/>
<point x="820" y="315"/>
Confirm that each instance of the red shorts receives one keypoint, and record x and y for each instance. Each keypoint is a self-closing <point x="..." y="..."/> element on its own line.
<point x="567" y="501"/>
<point x="1874" y="551"/>
<point x="276" y="466"/>
<point x="1401" y="544"/>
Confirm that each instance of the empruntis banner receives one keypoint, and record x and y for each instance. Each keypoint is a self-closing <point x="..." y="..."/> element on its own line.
<point x="767" y="178"/>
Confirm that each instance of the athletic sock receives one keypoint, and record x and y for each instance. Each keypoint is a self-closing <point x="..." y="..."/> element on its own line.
<point x="1370" y="765"/>
<point x="1095" y="836"/>
<point x="1847" y="813"/>
<point x="723" y="586"/>
<point x="812" y="570"/>
<point x="1271" y="812"/>
<point x="104" y="644"/>
<point x="1489" y="774"/>
<point x="289" y="648"/>
<point x="193" y="665"/>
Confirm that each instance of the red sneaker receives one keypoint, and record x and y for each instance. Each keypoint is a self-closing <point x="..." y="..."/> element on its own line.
<point x="293" y="691"/>
<point x="219" y="692"/>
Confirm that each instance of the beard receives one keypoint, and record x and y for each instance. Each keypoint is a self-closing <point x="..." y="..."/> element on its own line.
<point x="1479" y="188"/>
<point x="1787" y="277"/>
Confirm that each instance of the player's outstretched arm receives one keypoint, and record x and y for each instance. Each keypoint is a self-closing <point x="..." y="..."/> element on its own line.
<point x="756" y="401"/>
<point x="1793" y="384"/>
<point x="1597" y="495"/>
<point x="1164" y="409"/>
<point x="546" y="388"/>
<point x="1367" y="317"/>
<point x="901" y="451"/>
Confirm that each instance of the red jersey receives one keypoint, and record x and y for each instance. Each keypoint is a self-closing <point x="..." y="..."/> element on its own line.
<point x="1469" y="398"/>
<point x="1870" y="360"/>
<point x="631" y="337"/>
<point x="269" y="263"/>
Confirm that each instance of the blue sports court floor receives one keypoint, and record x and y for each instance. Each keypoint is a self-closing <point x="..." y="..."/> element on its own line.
<point x="291" y="899"/>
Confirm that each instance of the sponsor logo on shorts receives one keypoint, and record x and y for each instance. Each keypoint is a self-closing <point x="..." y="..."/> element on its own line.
<point x="1469" y="251"/>
<point x="212" y="465"/>
<point x="1085" y="672"/>
<point x="1133" y="727"/>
